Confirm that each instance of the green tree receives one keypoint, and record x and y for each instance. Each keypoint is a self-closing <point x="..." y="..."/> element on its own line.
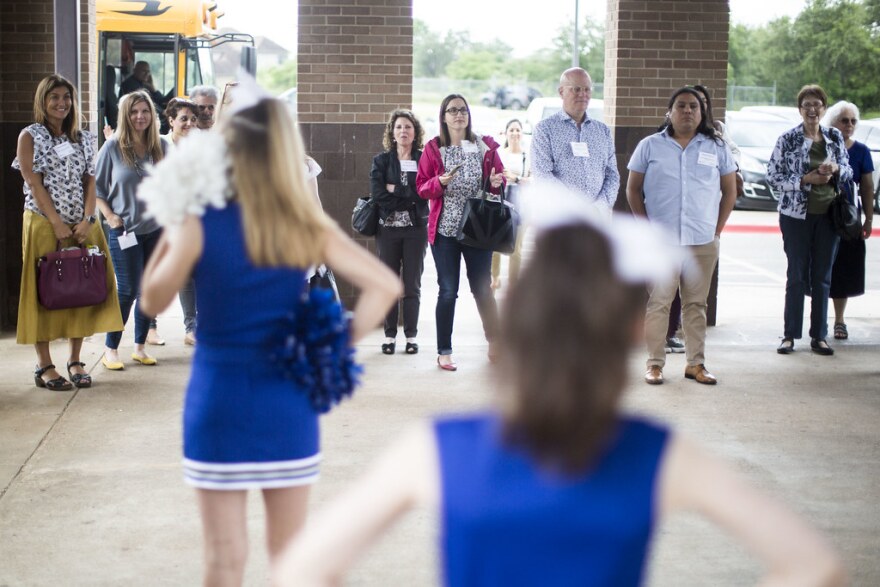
<point x="591" y="48"/>
<point x="433" y="53"/>
<point x="833" y="43"/>
<point x="279" y="78"/>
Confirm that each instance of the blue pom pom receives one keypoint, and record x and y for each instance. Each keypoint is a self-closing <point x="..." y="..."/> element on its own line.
<point x="314" y="350"/>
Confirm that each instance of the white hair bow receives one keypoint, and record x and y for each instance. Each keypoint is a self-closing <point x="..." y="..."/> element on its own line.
<point x="642" y="251"/>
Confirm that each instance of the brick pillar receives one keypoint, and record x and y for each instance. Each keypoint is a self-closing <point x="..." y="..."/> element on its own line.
<point x="649" y="53"/>
<point x="355" y="67"/>
<point x="27" y="55"/>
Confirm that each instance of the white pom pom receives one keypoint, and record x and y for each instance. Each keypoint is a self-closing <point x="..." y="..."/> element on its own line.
<point x="191" y="178"/>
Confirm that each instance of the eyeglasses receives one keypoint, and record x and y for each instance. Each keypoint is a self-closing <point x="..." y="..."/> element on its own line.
<point x="852" y="121"/>
<point x="454" y="111"/>
<point x="579" y="89"/>
<point x="812" y="106"/>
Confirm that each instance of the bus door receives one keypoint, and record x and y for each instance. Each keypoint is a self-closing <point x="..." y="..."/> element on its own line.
<point x="117" y="55"/>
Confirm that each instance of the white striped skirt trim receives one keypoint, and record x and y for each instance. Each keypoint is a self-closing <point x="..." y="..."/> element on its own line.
<point x="267" y="475"/>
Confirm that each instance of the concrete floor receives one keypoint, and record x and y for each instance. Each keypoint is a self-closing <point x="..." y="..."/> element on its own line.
<point x="91" y="491"/>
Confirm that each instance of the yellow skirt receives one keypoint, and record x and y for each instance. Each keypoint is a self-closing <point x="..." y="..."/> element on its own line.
<point x="36" y="323"/>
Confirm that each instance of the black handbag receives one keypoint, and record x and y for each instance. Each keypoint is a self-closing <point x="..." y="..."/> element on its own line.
<point x="365" y="216"/>
<point x="488" y="224"/>
<point x="845" y="217"/>
<point x="324" y="279"/>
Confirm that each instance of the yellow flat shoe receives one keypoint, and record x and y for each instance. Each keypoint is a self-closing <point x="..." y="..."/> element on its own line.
<point x="144" y="360"/>
<point x="112" y="365"/>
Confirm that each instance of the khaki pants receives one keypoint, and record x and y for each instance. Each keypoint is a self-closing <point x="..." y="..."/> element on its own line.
<point x="694" y="291"/>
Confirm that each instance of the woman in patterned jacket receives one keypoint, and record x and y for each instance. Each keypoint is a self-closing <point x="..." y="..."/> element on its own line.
<point x="806" y="163"/>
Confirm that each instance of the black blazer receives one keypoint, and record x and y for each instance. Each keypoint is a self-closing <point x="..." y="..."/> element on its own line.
<point x="386" y="170"/>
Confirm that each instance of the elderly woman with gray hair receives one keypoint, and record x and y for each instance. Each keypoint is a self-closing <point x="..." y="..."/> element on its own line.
<point x="848" y="272"/>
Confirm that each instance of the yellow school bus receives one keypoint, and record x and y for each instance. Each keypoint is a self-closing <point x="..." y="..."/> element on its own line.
<point x="174" y="36"/>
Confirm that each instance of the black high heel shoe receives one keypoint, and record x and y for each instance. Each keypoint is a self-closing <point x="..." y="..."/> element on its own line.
<point x="81" y="380"/>
<point x="388" y="348"/>
<point x="412" y="348"/>
<point x="57" y="384"/>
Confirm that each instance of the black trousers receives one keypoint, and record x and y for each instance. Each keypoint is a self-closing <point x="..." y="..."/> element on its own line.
<point x="403" y="250"/>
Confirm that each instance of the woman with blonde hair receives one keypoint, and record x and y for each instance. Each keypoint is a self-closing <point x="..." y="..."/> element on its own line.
<point x="57" y="161"/>
<point x="123" y="162"/>
<point x="248" y="231"/>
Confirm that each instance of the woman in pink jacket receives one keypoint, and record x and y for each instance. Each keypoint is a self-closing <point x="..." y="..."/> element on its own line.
<point x="455" y="166"/>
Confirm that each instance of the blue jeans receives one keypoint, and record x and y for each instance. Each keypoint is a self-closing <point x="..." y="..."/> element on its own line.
<point x="187" y="296"/>
<point x="129" y="267"/>
<point x="810" y="245"/>
<point x="447" y="253"/>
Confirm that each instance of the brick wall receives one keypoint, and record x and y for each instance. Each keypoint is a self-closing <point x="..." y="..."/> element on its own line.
<point x="27" y="54"/>
<point x="355" y="67"/>
<point x="651" y="49"/>
<point x="355" y="60"/>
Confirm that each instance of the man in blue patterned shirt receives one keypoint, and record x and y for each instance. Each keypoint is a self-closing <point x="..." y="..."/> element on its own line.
<point x="573" y="149"/>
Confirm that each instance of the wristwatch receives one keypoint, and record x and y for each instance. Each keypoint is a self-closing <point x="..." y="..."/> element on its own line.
<point x="92" y="219"/>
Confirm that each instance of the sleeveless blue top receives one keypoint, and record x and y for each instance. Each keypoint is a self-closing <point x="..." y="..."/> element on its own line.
<point x="244" y="424"/>
<point x="506" y="522"/>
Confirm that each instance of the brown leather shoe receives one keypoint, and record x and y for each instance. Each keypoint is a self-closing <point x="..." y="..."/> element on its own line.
<point x="699" y="374"/>
<point x="654" y="375"/>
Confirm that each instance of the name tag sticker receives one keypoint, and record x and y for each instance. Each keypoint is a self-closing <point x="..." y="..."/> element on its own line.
<point x="408" y="165"/>
<point x="469" y="147"/>
<point x="63" y="150"/>
<point x="710" y="159"/>
<point x="126" y="240"/>
<point x="580" y="149"/>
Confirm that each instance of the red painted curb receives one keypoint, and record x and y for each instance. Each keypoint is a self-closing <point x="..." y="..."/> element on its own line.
<point x="753" y="228"/>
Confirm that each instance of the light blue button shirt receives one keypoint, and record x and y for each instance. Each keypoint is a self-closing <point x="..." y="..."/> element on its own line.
<point x="682" y="187"/>
<point x="553" y="159"/>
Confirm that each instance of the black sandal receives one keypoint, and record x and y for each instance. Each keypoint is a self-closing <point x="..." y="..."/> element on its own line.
<point x="57" y="384"/>
<point x="412" y="348"/>
<point x="388" y="348"/>
<point x="79" y="379"/>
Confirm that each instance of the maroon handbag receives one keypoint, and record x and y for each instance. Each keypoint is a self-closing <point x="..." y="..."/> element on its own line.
<point x="71" y="279"/>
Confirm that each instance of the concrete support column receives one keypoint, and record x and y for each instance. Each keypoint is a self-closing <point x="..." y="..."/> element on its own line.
<point x="355" y="67"/>
<point x="651" y="49"/>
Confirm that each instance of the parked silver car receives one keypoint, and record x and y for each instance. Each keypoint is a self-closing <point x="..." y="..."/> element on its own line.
<point x="755" y="134"/>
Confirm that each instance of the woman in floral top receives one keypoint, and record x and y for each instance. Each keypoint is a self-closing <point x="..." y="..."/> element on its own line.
<point x="806" y="163"/>
<point x="454" y="167"/>
<point x="57" y="161"/>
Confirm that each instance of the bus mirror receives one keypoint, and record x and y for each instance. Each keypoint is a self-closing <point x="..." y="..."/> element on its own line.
<point x="249" y="59"/>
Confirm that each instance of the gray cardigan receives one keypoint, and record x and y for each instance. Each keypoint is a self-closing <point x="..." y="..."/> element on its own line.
<point x="117" y="183"/>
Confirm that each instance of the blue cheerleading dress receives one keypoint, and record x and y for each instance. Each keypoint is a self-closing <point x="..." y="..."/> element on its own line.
<point x="244" y="425"/>
<point x="506" y="522"/>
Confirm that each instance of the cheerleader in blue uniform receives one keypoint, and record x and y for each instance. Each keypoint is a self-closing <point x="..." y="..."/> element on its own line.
<point x="556" y="486"/>
<point x="247" y="228"/>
